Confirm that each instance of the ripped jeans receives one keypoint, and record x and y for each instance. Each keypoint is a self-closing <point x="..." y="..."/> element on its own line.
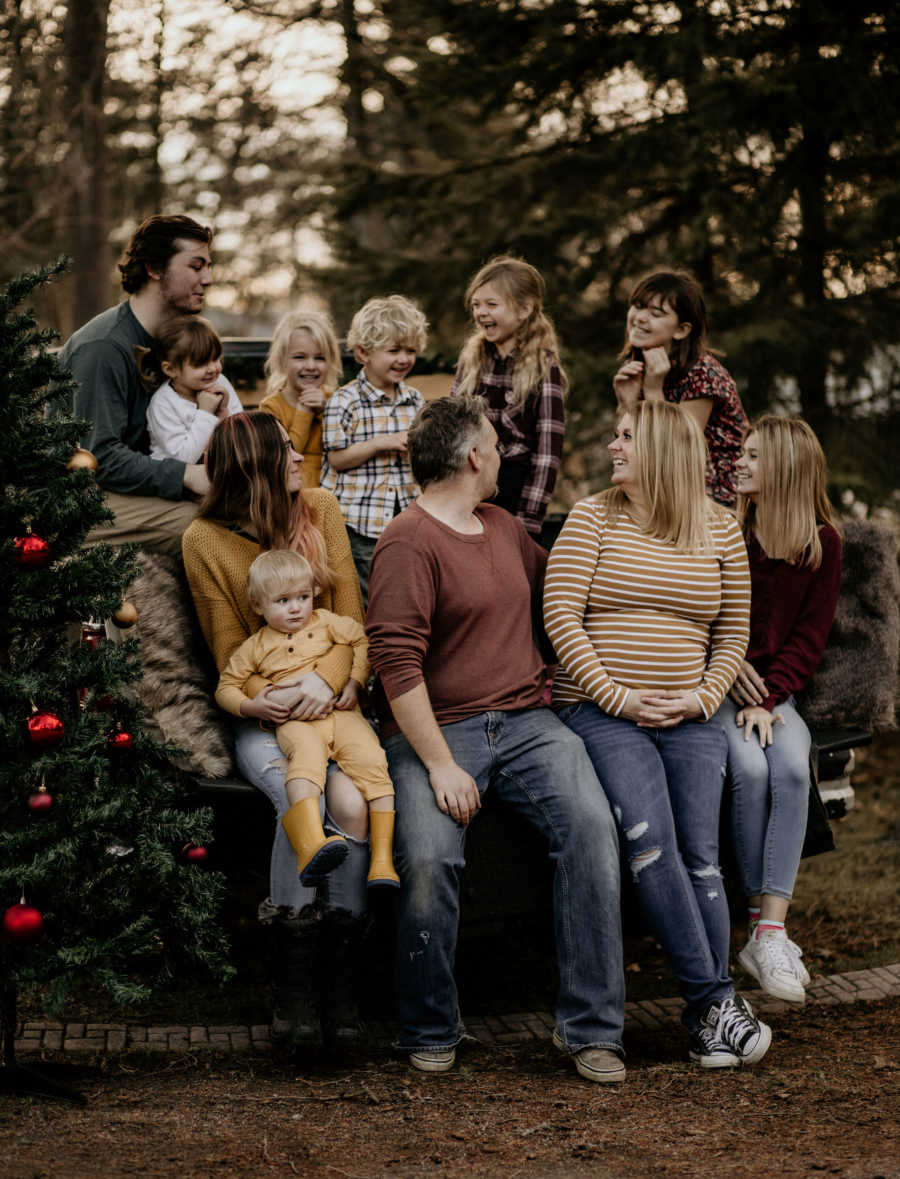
<point x="665" y="790"/>
<point x="262" y="763"/>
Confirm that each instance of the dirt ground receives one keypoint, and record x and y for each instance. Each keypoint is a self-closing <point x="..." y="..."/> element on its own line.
<point x="823" y="1101"/>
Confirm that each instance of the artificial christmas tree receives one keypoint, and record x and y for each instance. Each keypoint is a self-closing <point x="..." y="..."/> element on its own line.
<point x="94" y="886"/>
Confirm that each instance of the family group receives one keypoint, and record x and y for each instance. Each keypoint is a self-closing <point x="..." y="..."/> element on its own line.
<point x="346" y="540"/>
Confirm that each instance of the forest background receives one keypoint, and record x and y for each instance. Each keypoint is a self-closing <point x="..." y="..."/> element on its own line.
<point x="345" y="148"/>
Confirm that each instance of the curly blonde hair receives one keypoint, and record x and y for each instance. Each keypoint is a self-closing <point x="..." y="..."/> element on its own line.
<point x="536" y="346"/>
<point x="389" y="319"/>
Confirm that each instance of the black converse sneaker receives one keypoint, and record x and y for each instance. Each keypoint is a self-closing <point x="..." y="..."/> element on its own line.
<point x="733" y="1023"/>
<point x="709" y="1052"/>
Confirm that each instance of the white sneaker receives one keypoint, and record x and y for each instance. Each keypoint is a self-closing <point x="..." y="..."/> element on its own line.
<point x="800" y="970"/>
<point x="767" y="957"/>
<point x="433" y="1060"/>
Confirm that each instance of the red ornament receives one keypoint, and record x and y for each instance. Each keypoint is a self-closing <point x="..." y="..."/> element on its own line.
<point x="23" y="923"/>
<point x="120" y="740"/>
<point x="44" y="728"/>
<point x="31" y="551"/>
<point x="40" y="802"/>
<point x="194" y="853"/>
<point x="93" y="634"/>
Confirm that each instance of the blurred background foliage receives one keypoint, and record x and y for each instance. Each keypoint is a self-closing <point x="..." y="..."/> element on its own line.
<point x="344" y="148"/>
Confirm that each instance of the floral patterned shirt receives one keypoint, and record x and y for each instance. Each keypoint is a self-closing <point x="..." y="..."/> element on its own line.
<point x="726" y="425"/>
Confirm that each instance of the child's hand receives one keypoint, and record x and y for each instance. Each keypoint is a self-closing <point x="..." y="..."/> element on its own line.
<point x="311" y="399"/>
<point x="209" y="400"/>
<point x="262" y="708"/>
<point x="656" y="365"/>
<point x="349" y="698"/>
<point x="628" y="381"/>
<point x="756" y="717"/>
<point x="395" y="442"/>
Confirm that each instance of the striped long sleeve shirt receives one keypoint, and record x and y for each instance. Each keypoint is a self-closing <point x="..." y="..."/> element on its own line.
<point x="625" y="610"/>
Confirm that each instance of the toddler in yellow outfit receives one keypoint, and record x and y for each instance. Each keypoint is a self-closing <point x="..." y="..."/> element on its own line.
<point x="280" y="586"/>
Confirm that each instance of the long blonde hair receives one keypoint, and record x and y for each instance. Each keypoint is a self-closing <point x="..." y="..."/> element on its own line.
<point x="792" y="502"/>
<point x="671" y="455"/>
<point x="247" y="464"/>
<point x="320" y="327"/>
<point x="536" y="345"/>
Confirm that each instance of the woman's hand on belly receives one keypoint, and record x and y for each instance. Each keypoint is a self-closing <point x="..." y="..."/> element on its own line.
<point x="660" y="709"/>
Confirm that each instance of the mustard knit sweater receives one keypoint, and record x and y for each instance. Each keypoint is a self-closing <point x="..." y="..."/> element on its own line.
<point x="304" y="428"/>
<point x="217" y="560"/>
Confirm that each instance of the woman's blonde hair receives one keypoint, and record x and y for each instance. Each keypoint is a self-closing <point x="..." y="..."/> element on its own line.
<point x="671" y="456"/>
<point x="320" y="326"/>
<point x="274" y="572"/>
<point x="387" y="320"/>
<point x="792" y="502"/>
<point x="247" y="463"/>
<point x="536" y="346"/>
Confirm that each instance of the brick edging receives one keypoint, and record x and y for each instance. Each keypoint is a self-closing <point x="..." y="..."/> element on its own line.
<point x="881" y="982"/>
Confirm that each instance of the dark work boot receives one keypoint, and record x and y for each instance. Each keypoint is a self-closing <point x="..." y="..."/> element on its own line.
<point x="295" y="949"/>
<point x="342" y="939"/>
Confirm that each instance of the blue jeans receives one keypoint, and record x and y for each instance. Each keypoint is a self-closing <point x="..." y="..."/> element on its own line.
<point x="538" y="767"/>
<point x="262" y="763"/>
<point x="769" y="800"/>
<point x="665" y="789"/>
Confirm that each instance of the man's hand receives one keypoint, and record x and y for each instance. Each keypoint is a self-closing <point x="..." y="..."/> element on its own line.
<point x="749" y="687"/>
<point x="349" y="697"/>
<point x="455" y="791"/>
<point x="195" y="479"/>
<point x="760" y="719"/>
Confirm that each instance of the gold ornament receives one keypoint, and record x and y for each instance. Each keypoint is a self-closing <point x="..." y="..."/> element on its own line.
<point x="81" y="460"/>
<point x="126" y="615"/>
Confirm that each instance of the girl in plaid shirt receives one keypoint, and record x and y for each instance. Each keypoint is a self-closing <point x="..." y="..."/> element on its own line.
<point x="511" y="359"/>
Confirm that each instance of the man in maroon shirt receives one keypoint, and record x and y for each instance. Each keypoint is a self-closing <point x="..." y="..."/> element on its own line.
<point x="455" y="590"/>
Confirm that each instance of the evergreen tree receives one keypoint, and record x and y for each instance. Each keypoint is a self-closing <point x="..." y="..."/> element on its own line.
<point x="98" y="882"/>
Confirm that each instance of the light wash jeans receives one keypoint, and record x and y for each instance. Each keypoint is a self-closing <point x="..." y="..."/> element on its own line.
<point x="769" y="800"/>
<point x="262" y="763"/>
<point x="541" y="769"/>
<point x="665" y="789"/>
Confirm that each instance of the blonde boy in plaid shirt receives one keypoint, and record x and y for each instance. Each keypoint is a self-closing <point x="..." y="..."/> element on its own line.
<point x="364" y="429"/>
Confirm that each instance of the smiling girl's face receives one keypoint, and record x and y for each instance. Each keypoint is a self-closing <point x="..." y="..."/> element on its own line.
<point x="746" y="469"/>
<point x="654" y="324"/>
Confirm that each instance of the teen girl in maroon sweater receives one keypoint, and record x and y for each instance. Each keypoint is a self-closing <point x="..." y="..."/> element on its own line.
<point x="795" y="572"/>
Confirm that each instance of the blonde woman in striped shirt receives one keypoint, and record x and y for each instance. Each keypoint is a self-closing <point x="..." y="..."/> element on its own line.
<point x="647" y="604"/>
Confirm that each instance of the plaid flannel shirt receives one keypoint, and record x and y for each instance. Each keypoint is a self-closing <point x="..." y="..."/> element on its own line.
<point x="532" y="434"/>
<point x="369" y="494"/>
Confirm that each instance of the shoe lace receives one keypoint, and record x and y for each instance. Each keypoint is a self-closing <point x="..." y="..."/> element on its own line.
<point x="735" y="1021"/>
<point x="778" y="953"/>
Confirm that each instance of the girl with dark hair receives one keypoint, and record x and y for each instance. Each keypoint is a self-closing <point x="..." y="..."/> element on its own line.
<point x="193" y="396"/>
<point x="666" y="357"/>
<point x="255" y="503"/>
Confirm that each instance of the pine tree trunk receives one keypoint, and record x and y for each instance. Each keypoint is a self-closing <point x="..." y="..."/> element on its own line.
<point x="85" y="39"/>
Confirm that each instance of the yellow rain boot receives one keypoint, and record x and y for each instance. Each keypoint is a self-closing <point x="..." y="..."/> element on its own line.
<point x="381" y="844"/>
<point x="317" y="854"/>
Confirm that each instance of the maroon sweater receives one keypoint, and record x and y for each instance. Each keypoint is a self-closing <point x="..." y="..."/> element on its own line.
<point x="455" y="612"/>
<point x="791" y="612"/>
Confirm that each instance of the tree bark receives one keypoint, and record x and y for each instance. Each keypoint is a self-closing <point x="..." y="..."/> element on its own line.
<point x="85" y="41"/>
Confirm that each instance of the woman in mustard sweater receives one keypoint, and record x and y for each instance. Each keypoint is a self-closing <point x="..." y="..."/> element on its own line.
<point x="255" y="503"/>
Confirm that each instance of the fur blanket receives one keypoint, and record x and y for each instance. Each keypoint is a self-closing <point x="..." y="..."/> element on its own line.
<point x="856" y="682"/>
<point x="179" y="675"/>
